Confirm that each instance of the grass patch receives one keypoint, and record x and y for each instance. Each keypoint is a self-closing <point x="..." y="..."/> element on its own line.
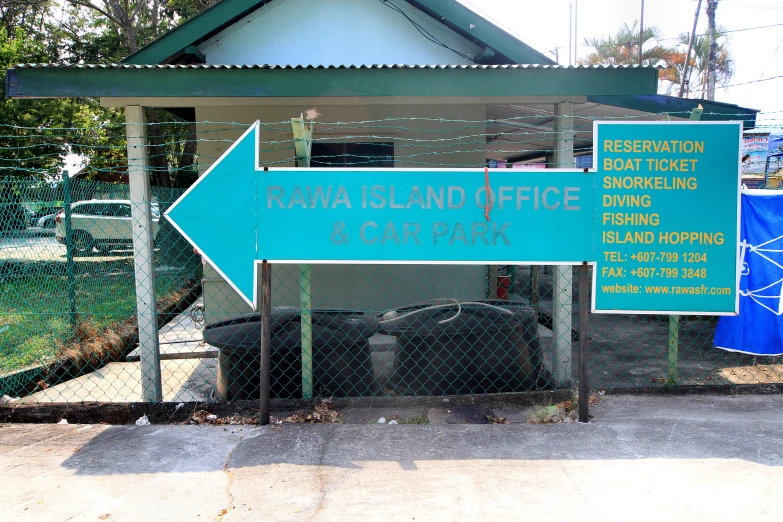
<point x="35" y="320"/>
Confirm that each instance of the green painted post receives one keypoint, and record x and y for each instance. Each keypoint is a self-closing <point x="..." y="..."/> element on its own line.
<point x="68" y="249"/>
<point x="674" y="320"/>
<point x="512" y="278"/>
<point x="303" y="139"/>
<point x="674" y="348"/>
<point x="307" y="331"/>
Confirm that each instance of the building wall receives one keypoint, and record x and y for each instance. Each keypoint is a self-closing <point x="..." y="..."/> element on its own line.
<point x="362" y="287"/>
<point x="335" y="32"/>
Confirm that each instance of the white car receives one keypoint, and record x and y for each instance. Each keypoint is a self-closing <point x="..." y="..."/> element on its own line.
<point x="101" y="224"/>
<point x="47" y="221"/>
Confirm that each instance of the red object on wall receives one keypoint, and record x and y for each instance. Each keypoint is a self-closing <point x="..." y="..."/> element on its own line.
<point x="504" y="285"/>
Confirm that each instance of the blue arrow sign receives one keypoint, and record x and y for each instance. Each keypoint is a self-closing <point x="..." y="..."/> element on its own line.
<point x="238" y="214"/>
<point x="217" y="214"/>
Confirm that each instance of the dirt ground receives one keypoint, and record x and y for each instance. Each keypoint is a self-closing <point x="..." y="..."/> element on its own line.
<point x="631" y="351"/>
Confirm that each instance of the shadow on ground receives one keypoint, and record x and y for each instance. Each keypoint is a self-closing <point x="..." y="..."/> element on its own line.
<point x="625" y="428"/>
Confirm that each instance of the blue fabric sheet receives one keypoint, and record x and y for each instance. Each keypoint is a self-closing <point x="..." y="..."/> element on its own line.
<point x="758" y="329"/>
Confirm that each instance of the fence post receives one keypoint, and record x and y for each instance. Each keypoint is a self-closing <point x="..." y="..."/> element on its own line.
<point x="535" y="286"/>
<point x="143" y="260"/>
<point x="69" y="248"/>
<point x="562" y="299"/>
<point x="674" y="347"/>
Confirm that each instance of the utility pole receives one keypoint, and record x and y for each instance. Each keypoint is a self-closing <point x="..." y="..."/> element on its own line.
<point x="641" y="33"/>
<point x="576" y="40"/>
<point x="684" y="79"/>
<point x="570" y="29"/>
<point x="712" y="6"/>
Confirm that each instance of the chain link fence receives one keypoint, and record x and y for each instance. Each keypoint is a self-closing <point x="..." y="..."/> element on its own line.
<point x="68" y="289"/>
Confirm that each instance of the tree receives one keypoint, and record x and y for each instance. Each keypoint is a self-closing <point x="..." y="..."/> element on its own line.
<point x="36" y="134"/>
<point x="134" y="21"/>
<point x="712" y="6"/>
<point x="623" y="48"/>
<point x="118" y="29"/>
<point x="27" y="14"/>
<point x="698" y="68"/>
<point x="137" y="22"/>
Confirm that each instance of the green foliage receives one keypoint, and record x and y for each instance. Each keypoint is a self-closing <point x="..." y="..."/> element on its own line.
<point x="623" y="48"/>
<point x="35" y="135"/>
<point x="699" y="60"/>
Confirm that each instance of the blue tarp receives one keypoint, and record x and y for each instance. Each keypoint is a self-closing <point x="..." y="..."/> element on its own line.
<point x="758" y="329"/>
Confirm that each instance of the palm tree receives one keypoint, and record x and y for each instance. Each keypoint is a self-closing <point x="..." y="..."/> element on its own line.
<point x="623" y="48"/>
<point x="696" y="84"/>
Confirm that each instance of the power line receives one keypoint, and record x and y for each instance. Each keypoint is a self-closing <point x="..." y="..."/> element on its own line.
<point x="426" y="34"/>
<point x="771" y="59"/>
<point x="756" y="81"/>
<point x="731" y="31"/>
<point x="755" y="6"/>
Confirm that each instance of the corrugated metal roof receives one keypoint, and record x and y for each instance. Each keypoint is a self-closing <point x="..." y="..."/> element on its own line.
<point x="267" y="66"/>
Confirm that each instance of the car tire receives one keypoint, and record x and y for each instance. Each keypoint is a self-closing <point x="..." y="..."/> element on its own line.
<point x="81" y="243"/>
<point x="104" y="249"/>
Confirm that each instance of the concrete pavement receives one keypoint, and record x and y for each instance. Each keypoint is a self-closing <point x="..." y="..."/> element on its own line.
<point x="642" y="458"/>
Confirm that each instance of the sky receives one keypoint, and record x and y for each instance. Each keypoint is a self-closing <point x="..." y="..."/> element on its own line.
<point x="757" y="53"/>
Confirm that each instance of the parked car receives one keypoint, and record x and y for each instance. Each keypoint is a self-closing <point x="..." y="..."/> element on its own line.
<point x="101" y="224"/>
<point x="46" y="221"/>
<point x="36" y="216"/>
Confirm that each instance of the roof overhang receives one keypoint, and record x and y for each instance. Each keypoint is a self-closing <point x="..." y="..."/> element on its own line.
<point x="679" y="107"/>
<point x="207" y="81"/>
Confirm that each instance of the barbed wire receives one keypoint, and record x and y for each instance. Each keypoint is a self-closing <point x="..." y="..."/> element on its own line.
<point x="407" y="141"/>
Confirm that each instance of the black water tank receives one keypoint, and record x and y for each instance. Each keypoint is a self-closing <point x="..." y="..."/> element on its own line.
<point x="489" y="347"/>
<point x="342" y="364"/>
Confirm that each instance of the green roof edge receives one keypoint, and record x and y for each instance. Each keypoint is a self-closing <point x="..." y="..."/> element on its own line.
<point x="201" y="25"/>
<point x="461" y="17"/>
<point x="449" y="12"/>
<point x="680" y="107"/>
<point x="174" y="82"/>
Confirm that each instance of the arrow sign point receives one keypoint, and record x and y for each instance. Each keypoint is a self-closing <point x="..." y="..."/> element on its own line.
<point x="219" y="212"/>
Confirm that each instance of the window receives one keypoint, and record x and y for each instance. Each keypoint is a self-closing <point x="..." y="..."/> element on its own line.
<point x="87" y="209"/>
<point x="122" y="210"/>
<point x="104" y="209"/>
<point x="368" y="155"/>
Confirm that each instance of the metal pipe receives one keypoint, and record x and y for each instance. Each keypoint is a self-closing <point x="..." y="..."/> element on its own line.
<point x="570" y="30"/>
<point x="576" y="39"/>
<point x="584" y="388"/>
<point x="266" y="341"/>
<point x="641" y="33"/>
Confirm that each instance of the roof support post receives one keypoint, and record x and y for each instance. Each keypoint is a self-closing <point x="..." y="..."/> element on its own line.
<point x="562" y="300"/>
<point x="143" y="260"/>
<point x="303" y="142"/>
